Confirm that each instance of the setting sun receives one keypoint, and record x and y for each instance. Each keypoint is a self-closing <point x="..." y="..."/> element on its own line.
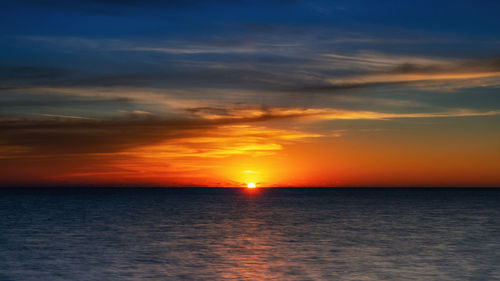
<point x="251" y="185"/>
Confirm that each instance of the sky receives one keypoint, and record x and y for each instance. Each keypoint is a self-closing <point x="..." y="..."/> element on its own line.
<point x="224" y="93"/>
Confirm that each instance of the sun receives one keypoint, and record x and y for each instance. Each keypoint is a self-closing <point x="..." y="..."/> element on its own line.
<point x="251" y="185"/>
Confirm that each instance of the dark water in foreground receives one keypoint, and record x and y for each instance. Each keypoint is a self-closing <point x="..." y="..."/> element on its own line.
<point x="230" y="234"/>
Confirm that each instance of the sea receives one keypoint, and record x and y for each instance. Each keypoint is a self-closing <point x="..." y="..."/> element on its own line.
<point x="106" y="234"/>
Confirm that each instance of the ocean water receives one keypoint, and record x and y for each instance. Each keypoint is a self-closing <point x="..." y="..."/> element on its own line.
<point x="234" y="234"/>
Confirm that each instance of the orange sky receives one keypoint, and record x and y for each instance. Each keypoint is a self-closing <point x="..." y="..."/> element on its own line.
<point x="428" y="151"/>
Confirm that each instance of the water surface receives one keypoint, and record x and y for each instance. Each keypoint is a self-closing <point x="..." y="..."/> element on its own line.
<point x="233" y="234"/>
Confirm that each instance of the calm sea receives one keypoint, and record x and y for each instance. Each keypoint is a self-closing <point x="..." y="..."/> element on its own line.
<point x="233" y="234"/>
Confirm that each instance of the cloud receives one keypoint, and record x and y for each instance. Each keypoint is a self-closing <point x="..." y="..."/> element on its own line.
<point x="276" y="113"/>
<point x="74" y="135"/>
<point x="59" y="116"/>
<point x="69" y="136"/>
<point x="376" y="61"/>
<point x="370" y="115"/>
<point x="41" y="100"/>
<point x="380" y="70"/>
<point x="59" y="134"/>
<point x="145" y="147"/>
<point x="192" y="50"/>
<point x="31" y="72"/>
<point x="227" y="140"/>
<point x="139" y="145"/>
<point x="411" y="70"/>
<point x="259" y="64"/>
<point x="385" y="79"/>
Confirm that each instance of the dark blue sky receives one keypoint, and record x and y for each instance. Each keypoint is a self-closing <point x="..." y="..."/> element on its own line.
<point x="307" y="47"/>
<point x="184" y="18"/>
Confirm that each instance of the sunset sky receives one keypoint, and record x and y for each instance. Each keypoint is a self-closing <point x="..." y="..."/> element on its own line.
<point x="224" y="93"/>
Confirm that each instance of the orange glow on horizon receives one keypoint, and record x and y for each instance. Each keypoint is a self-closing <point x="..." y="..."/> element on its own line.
<point x="277" y="155"/>
<point x="251" y="185"/>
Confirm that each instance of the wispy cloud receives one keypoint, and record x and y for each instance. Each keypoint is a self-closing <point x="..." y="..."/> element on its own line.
<point x="264" y="114"/>
<point x="66" y="116"/>
<point x="72" y="134"/>
<point x="377" y="61"/>
<point x="261" y="64"/>
<point x="366" y="70"/>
